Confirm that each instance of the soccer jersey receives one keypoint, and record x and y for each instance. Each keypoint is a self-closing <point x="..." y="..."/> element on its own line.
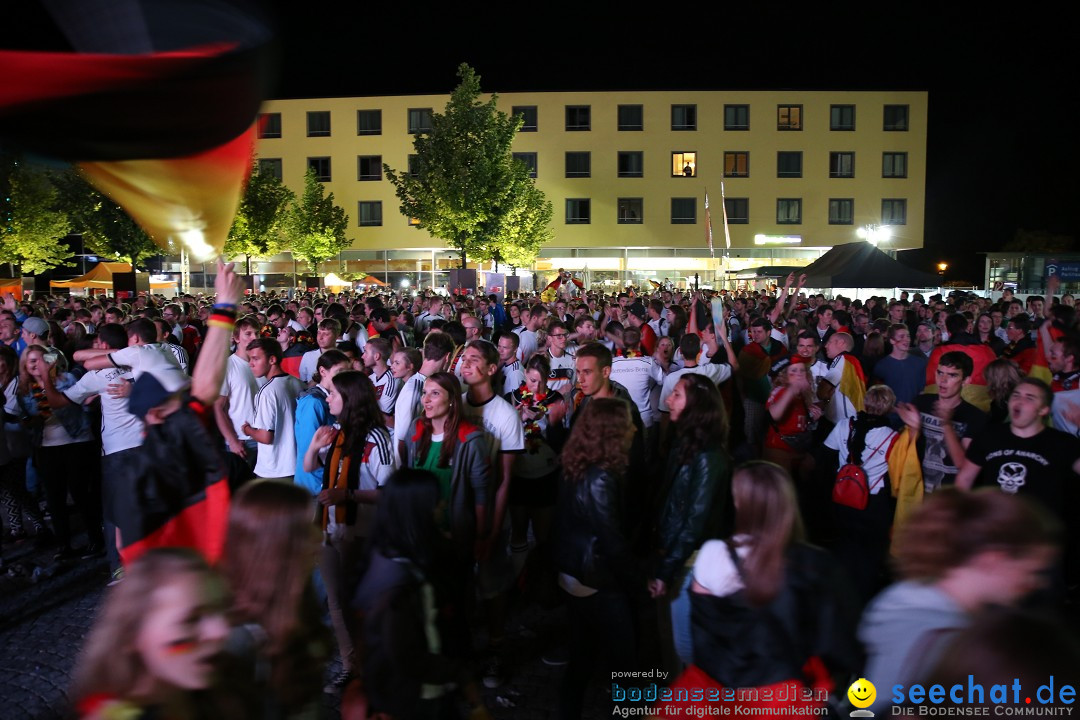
<point x="527" y="344"/>
<point x="386" y="391"/>
<point x="275" y="409"/>
<point x="716" y="373"/>
<point x="508" y="379"/>
<point x="638" y="375"/>
<point x="120" y="430"/>
<point x="407" y="407"/>
<point x="563" y="374"/>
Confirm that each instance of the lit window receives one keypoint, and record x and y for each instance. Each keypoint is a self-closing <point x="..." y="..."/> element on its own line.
<point x="318" y="124"/>
<point x="789" y="164"/>
<point x="630" y="211"/>
<point x="369" y="122"/>
<point x="529" y="159"/>
<point x="370" y="167"/>
<point x="842" y="117"/>
<point x="893" y="211"/>
<point x="631" y="117"/>
<point x="789" y="117"/>
<point x="841" y="164"/>
<point x="631" y="164"/>
<point x="896" y="117"/>
<point x="788" y="211"/>
<point x="321" y="166"/>
<point x="683" y="211"/>
<point x="578" y="117"/>
<point x="369" y="212"/>
<point x="419" y="120"/>
<point x="684" y="117"/>
<point x="577" y="211"/>
<point x="270" y="125"/>
<point x="738" y="210"/>
<point x="270" y="166"/>
<point x="894" y="165"/>
<point x="684" y="164"/>
<point x="841" y="211"/>
<point x="528" y="117"/>
<point x="737" y="164"/>
<point x="578" y="165"/>
<point x="414" y="222"/>
<point x="736" y="117"/>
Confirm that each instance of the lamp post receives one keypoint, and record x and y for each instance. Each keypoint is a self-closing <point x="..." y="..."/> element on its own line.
<point x="874" y="234"/>
<point x="941" y="268"/>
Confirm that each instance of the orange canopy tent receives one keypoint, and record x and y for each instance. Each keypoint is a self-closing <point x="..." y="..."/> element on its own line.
<point x="11" y="285"/>
<point x="101" y="278"/>
<point x="371" y="280"/>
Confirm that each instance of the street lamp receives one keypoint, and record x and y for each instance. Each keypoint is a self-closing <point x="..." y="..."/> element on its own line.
<point x="942" y="267"/>
<point x="874" y="234"/>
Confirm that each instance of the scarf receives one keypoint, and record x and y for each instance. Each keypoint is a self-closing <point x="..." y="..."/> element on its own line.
<point x="41" y="399"/>
<point x="336" y="476"/>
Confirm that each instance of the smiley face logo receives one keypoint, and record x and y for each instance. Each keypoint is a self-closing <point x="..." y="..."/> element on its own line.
<point x="862" y="693"/>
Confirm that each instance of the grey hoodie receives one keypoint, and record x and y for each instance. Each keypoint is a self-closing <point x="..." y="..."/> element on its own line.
<point x="904" y="630"/>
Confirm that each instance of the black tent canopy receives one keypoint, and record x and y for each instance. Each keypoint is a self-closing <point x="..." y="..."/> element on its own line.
<point x="861" y="265"/>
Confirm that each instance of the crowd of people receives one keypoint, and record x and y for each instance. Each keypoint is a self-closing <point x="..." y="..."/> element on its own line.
<point x="749" y="490"/>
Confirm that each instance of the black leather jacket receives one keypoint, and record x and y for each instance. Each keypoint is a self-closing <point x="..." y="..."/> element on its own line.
<point x="696" y="508"/>
<point x="592" y="543"/>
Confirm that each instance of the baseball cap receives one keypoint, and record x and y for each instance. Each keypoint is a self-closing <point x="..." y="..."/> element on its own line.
<point x="637" y="310"/>
<point x="36" y="325"/>
<point x="156" y="380"/>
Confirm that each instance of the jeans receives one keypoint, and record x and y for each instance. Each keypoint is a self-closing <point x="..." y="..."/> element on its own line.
<point x="74" y="468"/>
<point x="601" y="629"/>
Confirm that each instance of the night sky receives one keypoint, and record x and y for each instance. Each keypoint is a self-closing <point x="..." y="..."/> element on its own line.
<point x="1003" y="152"/>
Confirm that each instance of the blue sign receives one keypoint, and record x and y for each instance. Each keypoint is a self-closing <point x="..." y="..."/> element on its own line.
<point x="1063" y="271"/>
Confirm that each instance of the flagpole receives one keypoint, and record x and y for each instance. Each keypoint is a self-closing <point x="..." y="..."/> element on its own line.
<point x="727" y="230"/>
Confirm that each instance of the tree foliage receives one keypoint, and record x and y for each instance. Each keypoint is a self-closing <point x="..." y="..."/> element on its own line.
<point x="259" y="227"/>
<point x="316" y="226"/>
<point x="32" y="229"/>
<point x="467" y="188"/>
<point x="106" y="227"/>
<point x="1038" y="241"/>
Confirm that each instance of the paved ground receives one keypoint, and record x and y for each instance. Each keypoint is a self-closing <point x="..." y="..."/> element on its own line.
<point x="43" y="621"/>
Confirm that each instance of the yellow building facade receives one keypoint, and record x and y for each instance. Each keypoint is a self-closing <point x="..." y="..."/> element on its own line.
<point x="627" y="174"/>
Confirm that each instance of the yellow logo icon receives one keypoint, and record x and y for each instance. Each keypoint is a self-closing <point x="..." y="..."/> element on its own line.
<point x="862" y="694"/>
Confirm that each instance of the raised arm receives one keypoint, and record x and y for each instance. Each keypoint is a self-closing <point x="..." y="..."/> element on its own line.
<point x="209" y="370"/>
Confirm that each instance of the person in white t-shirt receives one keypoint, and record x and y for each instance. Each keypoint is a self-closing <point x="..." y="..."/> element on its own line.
<point x="636" y="372"/>
<point x="376" y="357"/>
<point x="510" y="375"/>
<point x="273" y="423"/>
<point x="695" y="361"/>
<point x="236" y="405"/>
<point x="531" y="322"/>
<point x="437" y="350"/>
<point x="326" y="338"/>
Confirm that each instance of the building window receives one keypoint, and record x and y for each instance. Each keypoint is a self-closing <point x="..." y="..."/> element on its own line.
<point x="630" y="211"/>
<point x="736" y="117"/>
<point x="369" y="122"/>
<point x="789" y="164"/>
<point x="684" y="117"/>
<point x="369" y="167"/>
<point x="321" y="166"/>
<point x="578" y="117"/>
<point x="270" y="125"/>
<point x="842" y="117"/>
<point x="528" y="117"/>
<point x="788" y="211"/>
<point x="270" y="166"/>
<point x="894" y="165"/>
<point x="318" y="124"/>
<point x="369" y="212"/>
<point x="738" y="210"/>
<point x="578" y="165"/>
<point x="841" y="211"/>
<point x="414" y="166"/>
<point x="684" y="164"/>
<point x="529" y="158"/>
<point x="841" y="164"/>
<point x="737" y="164"/>
<point x="631" y="164"/>
<point x="896" y="117"/>
<point x="789" y="117"/>
<point x="683" y="211"/>
<point x="893" y="212"/>
<point x="419" y="120"/>
<point x="577" y="211"/>
<point x="631" y="117"/>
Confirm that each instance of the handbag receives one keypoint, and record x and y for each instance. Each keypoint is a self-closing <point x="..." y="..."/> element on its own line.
<point x="851" y="487"/>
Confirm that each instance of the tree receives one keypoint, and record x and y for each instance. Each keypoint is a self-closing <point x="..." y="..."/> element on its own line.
<point x="1039" y="241"/>
<point x="106" y="227"/>
<point x="32" y="229"/>
<point x="467" y="188"/>
<point x="316" y="226"/>
<point x="258" y="230"/>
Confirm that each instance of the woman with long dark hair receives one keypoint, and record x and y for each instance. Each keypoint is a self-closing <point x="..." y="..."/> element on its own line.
<point x="358" y="458"/>
<point x="984" y="331"/>
<point x="768" y="611"/>
<point x="698" y="488"/>
<point x="597" y="569"/>
<point x="406" y="666"/>
<point x="278" y="647"/>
